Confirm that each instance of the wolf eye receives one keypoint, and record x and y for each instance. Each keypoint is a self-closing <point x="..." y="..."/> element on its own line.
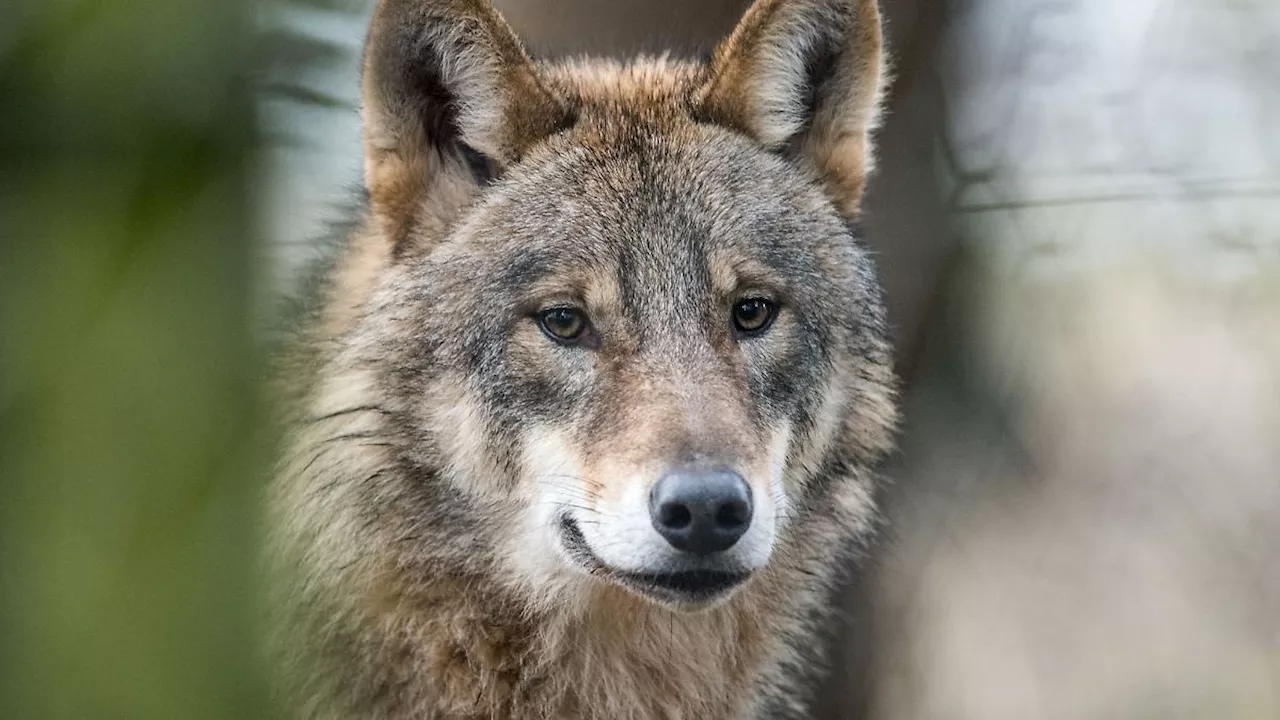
<point x="753" y="315"/>
<point x="565" y="325"/>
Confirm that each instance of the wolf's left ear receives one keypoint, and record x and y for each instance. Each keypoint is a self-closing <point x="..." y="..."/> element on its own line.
<point x="804" y="77"/>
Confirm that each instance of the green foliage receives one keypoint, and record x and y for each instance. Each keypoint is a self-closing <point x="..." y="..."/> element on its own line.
<point x="131" y="446"/>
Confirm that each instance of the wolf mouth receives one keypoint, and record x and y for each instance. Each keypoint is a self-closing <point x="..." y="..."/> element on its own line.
<point x="691" y="587"/>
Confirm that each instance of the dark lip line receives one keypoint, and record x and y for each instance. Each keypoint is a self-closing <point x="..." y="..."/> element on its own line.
<point x="576" y="544"/>
<point x="650" y="583"/>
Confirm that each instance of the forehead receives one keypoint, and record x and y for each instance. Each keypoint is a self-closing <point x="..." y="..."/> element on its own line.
<point x="691" y="199"/>
<point x="638" y="190"/>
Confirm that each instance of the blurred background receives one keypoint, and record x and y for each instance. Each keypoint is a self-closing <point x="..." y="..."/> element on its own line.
<point x="1077" y="216"/>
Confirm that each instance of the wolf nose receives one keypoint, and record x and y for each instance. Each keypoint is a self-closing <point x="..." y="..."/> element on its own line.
<point x="701" y="511"/>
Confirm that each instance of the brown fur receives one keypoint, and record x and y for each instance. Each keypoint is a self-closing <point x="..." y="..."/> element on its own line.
<point x="401" y="509"/>
<point x="616" y="657"/>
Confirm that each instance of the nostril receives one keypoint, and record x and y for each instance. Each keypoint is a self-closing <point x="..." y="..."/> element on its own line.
<point x="675" y="516"/>
<point x="733" y="515"/>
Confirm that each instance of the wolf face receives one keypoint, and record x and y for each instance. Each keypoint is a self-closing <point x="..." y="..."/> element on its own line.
<point x="637" y="341"/>
<point x="609" y="323"/>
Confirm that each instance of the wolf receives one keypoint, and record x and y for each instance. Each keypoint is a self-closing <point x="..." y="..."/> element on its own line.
<point x="584" y="418"/>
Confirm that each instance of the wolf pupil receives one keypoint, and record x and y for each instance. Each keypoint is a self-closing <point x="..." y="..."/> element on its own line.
<point x="563" y="323"/>
<point x="752" y="315"/>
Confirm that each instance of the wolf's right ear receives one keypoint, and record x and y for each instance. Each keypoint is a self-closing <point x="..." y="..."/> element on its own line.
<point x="450" y="98"/>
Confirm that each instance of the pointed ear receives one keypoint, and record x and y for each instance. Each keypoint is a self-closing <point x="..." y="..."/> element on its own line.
<point x="804" y="77"/>
<point x="450" y="98"/>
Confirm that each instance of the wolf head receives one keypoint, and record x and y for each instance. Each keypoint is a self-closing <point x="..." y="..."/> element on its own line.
<point x="609" y="324"/>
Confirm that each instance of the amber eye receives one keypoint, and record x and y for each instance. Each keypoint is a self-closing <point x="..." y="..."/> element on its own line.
<point x="753" y="315"/>
<point x="564" y="325"/>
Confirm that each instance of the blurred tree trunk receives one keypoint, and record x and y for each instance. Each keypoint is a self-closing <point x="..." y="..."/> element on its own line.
<point x="129" y="435"/>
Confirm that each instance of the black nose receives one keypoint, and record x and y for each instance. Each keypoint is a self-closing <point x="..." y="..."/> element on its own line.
<point x="701" y="511"/>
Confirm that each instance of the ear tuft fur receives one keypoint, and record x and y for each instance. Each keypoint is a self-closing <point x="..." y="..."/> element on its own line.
<point x="804" y="77"/>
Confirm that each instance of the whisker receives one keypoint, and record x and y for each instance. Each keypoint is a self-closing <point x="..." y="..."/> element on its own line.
<point x="353" y="436"/>
<point x="348" y="411"/>
<point x="574" y="492"/>
<point x="580" y="484"/>
<point x="574" y="506"/>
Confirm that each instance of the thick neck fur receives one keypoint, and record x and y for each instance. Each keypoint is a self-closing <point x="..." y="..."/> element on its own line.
<point x="471" y="655"/>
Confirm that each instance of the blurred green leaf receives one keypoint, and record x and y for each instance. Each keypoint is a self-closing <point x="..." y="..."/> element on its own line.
<point x="131" y="445"/>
